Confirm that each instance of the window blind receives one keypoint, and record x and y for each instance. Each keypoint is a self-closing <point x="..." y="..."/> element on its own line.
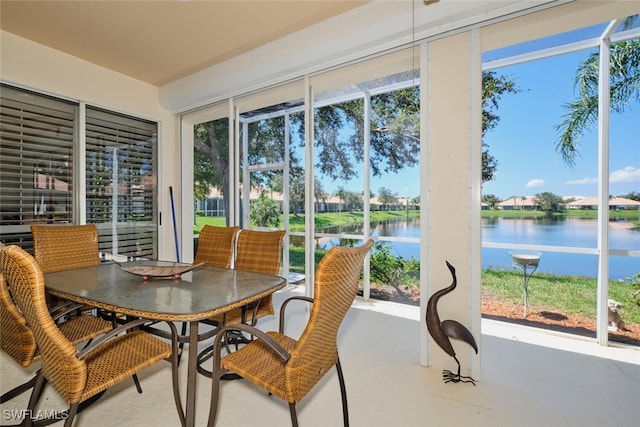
<point x="121" y="182"/>
<point x="39" y="142"/>
<point x="36" y="161"/>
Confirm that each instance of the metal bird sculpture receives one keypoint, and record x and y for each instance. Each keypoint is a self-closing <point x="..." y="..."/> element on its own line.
<point x="442" y="331"/>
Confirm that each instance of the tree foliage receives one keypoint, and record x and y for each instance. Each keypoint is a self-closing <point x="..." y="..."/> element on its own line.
<point x="491" y="199"/>
<point x="494" y="87"/>
<point x="297" y="189"/>
<point x="211" y="157"/>
<point x="394" y="139"/>
<point x="386" y="196"/>
<point x="634" y="195"/>
<point x="264" y="212"/>
<point x="353" y="201"/>
<point x="550" y="202"/>
<point x="339" y="141"/>
<point x="582" y="113"/>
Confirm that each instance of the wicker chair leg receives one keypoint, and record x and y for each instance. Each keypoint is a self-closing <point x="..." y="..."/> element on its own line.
<point x="343" y="392"/>
<point x="38" y="387"/>
<point x="294" y="416"/>
<point x="17" y="391"/>
<point x="71" y="413"/>
<point x="136" y="381"/>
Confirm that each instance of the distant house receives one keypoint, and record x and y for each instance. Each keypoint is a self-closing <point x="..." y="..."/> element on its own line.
<point x="615" y="203"/>
<point x="213" y="205"/>
<point x="526" y="203"/>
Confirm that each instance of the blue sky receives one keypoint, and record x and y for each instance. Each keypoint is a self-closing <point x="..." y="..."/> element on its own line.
<point x="524" y="141"/>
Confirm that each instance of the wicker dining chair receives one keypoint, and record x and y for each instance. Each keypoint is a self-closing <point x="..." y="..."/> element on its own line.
<point x="76" y="375"/>
<point x="17" y="340"/>
<point x="64" y="247"/>
<point x="216" y="246"/>
<point x="290" y="368"/>
<point x="260" y="252"/>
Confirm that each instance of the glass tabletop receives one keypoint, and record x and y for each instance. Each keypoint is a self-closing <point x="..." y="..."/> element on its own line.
<point x="195" y="295"/>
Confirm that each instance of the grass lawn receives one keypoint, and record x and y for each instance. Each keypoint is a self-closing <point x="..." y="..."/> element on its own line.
<point x="323" y="220"/>
<point x="201" y="221"/>
<point x="571" y="294"/>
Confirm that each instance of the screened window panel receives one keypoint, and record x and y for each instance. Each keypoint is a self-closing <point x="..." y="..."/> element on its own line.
<point x="212" y="167"/>
<point x="36" y="161"/>
<point x="266" y="135"/>
<point x="121" y="182"/>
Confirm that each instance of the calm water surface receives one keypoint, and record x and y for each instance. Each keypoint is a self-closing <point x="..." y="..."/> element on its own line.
<point x="571" y="232"/>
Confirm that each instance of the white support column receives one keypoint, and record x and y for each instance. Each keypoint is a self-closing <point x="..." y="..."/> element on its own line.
<point x="474" y="286"/>
<point x="367" y="193"/>
<point x="604" y="102"/>
<point x="183" y="197"/>
<point x="425" y="289"/>
<point x="80" y="172"/>
<point x="309" y="222"/>
<point x="285" y="192"/>
<point x="234" y="162"/>
<point x="246" y="175"/>
<point x="448" y="137"/>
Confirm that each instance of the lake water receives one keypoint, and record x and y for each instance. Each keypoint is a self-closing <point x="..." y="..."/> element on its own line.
<point x="570" y="232"/>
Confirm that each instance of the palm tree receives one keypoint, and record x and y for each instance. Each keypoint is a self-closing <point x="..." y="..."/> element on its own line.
<point x="341" y="193"/>
<point x="624" y="87"/>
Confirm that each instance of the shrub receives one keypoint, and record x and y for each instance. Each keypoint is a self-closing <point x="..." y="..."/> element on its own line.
<point x="392" y="270"/>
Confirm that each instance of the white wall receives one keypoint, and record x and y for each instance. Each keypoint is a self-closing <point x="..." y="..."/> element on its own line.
<point x="37" y="67"/>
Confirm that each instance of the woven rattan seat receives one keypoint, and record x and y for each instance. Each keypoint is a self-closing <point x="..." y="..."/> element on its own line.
<point x="76" y="375"/>
<point x="17" y="340"/>
<point x="289" y="368"/>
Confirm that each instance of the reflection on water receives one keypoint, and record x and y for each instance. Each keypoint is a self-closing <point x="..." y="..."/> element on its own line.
<point x="559" y="232"/>
<point x="571" y="232"/>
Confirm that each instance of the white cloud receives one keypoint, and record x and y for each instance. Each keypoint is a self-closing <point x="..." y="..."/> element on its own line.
<point x="535" y="183"/>
<point x="628" y="174"/>
<point x="586" y="180"/>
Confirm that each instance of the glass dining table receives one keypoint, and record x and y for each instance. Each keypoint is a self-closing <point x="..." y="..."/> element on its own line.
<point x="188" y="297"/>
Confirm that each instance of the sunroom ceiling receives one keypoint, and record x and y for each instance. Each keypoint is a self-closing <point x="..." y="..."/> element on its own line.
<point x="161" y="41"/>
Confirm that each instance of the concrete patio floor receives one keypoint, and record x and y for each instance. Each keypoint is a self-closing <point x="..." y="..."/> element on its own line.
<point x="557" y="381"/>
